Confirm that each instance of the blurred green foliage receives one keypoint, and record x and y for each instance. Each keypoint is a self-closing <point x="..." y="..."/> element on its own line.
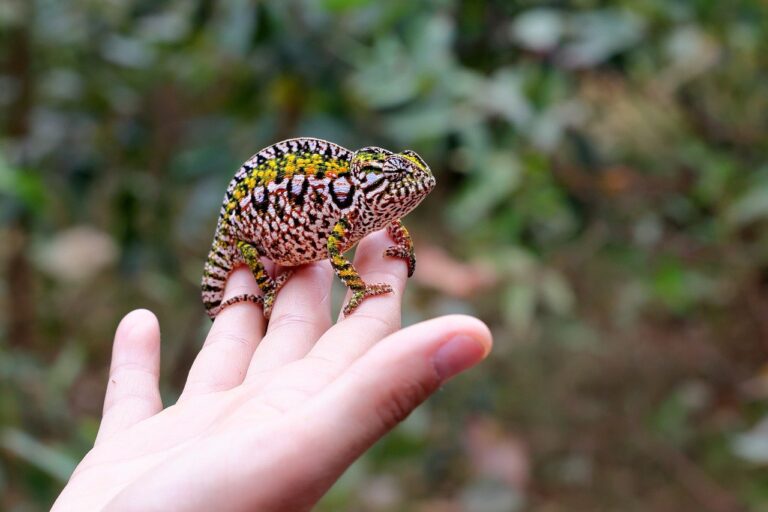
<point x="602" y="163"/>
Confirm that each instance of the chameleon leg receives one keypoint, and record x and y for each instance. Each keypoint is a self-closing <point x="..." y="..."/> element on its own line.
<point x="347" y="273"/>
<point x="268" y="286"/>
<point x="403" y="247"/>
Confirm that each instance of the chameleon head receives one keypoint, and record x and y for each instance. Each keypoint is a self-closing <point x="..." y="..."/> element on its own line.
<point x="392" y="184"/>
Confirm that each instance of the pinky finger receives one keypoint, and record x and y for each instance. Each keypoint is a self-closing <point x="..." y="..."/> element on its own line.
<point x="133" y="392"/>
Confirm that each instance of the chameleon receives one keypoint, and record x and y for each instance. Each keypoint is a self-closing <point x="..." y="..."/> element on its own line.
<point x="304" y="200"/>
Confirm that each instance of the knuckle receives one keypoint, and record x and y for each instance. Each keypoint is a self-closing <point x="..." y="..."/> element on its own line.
<point x="372" y="323"/>
<point x="319" y="270"/>
<point x="228" y="337"/>
<point x="124" y="398"/>
<point x="282" y="319"/>
<point x="285" y="398"/>
<point x="132" y="370"/>
<point x="324" y="366"/>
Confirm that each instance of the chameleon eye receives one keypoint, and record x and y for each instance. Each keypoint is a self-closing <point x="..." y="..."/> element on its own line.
<point x="396" y="168"/>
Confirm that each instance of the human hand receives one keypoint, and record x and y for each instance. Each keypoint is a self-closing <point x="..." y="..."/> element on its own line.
<point x="270" y="416"/>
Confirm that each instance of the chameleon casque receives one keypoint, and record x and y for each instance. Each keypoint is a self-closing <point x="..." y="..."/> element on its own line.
<point x="303" y="200"/>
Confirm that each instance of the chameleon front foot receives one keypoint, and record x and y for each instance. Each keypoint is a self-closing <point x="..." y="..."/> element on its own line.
<point x="403" y="247"/>
<point x="397" y="251"/>
<point x="268" y="286"/>
<point x="359" y="295"/>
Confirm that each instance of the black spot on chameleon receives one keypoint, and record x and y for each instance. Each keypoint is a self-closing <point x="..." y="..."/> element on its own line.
<point x="342" y="192"/>
<point x="317" y="197"/>
<point x="259" y="199"/>
<point x="297" y="194"/>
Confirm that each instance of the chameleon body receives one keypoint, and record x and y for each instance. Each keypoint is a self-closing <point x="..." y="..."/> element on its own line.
<point x="304" y="200"/>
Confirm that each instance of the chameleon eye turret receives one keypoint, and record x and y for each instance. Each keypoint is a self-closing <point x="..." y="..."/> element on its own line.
<point x="394" y="172"/>
<point x="304" y="200"/>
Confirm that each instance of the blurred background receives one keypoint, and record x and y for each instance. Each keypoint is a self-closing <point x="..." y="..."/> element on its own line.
<point x="602" y="202"/>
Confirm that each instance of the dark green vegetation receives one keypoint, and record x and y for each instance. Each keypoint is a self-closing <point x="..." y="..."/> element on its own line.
<point x="602" y="165"/>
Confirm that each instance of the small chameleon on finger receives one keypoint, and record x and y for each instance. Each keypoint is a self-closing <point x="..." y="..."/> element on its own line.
<point x="305" y="199"/>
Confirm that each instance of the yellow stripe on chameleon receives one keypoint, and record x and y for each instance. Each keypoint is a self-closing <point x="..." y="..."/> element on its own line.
<point x="265" y="175"/>
<point x="413" y="161"/>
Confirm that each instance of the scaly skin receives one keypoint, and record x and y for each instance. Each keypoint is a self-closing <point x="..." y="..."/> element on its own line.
<point x="305" y="200"/>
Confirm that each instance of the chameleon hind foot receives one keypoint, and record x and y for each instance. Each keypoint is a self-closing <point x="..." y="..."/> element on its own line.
<point x="268" y="286"/>
<point x="269" y="296"/>
<point x="358" y="295"/>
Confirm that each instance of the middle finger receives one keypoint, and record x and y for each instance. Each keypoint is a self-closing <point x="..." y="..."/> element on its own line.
<point x="302" y="313"/>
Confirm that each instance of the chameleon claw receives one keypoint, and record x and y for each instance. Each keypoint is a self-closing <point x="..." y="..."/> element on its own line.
<point x="398" y="251"/>
<point x="358" y="296"/>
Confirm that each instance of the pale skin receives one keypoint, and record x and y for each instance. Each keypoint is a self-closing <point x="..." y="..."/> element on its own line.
<point x="270" y="416"/>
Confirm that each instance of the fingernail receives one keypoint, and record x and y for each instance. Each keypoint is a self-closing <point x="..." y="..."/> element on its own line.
<point x="456" y="355"/>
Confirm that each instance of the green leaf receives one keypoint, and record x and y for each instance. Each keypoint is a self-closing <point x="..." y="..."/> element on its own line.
<point x="750" y="207"/>
<point x="26" y="447"/>
<point x="519" y="303"/>
<point x="344" y="5"/>
<point x="22" y="185"/>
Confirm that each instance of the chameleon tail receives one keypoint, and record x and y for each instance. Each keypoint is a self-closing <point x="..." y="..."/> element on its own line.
<point x="217" y="268"/>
